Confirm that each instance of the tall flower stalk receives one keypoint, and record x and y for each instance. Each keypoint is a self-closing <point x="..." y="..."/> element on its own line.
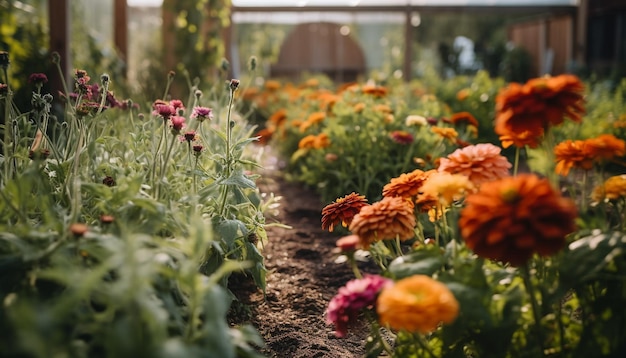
<point x="234" y="84"/>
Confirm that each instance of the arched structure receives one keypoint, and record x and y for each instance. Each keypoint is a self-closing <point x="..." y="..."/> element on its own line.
<point x="320" y="47"/>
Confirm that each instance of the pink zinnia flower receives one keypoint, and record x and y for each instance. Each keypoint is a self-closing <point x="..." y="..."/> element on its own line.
<point x="202" y="113"/>
<point x="402" y="137"/>
<point x="480" y="163"/>
<point x="356" y="295"/>
<point x="177" y="124"/>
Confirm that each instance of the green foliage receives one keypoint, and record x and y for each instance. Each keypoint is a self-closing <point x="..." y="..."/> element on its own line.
<point x="117" y="239"/>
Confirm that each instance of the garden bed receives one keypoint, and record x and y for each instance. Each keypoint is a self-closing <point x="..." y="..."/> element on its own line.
<point x="303" y="276"/>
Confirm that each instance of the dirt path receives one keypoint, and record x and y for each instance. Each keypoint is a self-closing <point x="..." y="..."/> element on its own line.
<point x="302" y="278"/>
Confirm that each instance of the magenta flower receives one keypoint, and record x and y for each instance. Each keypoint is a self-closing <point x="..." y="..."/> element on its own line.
<point x="356" y="295"/>
<point x="178" y="106"/>
<point x="38" y="78"/>
<point x="164" y="110"/>
<point x="197" y="149"/>
<point x="177" y="124"/>
<point x="189" y="136"/>
<point x="402" y="137"/>
<point x="202" y="113"/>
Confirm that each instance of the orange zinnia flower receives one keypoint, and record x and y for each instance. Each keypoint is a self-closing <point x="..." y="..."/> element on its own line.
<point x="480" y="163"/>
<point x="416" y="304"/>
<point x="265" y="135"/>
<point x="612" y="189"/>
<point x="386" y="219"/>
<point x="445" y="133"/>
<point x="278" y="117"/>
<point x="307" y="142"/>
<point x="406" y="185"/>
<point x="272" y="85"/>
<point x="570" y="154"/>
<point x="463" y="94"/>
<point x="321" y="141"/>
<point x="466" y="117"/>
<point x="605" y="146"/>
<point x="539" y="103"/>
<point x="521" y="139"/>
<point x="377" y="91"/>
<point x="583" y="153"/>
<point x="342" y="210"/>
<point x="512" y="218"/>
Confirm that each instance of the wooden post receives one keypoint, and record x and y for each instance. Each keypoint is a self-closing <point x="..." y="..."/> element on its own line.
<point x="59" y="20"/>
<point x="580" y="49"/>
<point x="408" y="46"/>
<point x="120" y="30"/>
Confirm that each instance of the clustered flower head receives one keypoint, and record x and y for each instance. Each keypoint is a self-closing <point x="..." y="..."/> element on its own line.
<point x="177" y="123"/>
<point x="480" y="163"/>
<point x="388" y="219"/>
<point x="356" y="295"/>
<point x="529" y="109"/>
<point x="583" y="154"/>
<point x="314" y="141"/>
<point x="38" y="79"/>
<point x="513" y="218"/>
<point x="202" y="113"/>
<point x="612" y="189"/>
<point x="342" y="210"/>
<point x="407" y="185"/>
<point x="417" y="304"/>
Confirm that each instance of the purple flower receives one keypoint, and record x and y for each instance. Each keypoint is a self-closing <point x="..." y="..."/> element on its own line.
<point x="202" y="113"/>
<point x="351" y="298"/>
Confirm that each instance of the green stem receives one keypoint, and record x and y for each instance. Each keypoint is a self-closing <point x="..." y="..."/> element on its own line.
<point x="75" y="196"/>
<point x="525" y="270"/>
<point x="516" y="163"/>
<point x="7" y="131"/>
<point x="166" y="160"/>
<point x="229" y="130"/>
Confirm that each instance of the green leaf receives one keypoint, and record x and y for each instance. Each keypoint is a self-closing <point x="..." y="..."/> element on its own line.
<point x="229" y="230"/>
<point x="586" y="258"/>
<point x="424" y="261"/>
<point x="239" y="179"/>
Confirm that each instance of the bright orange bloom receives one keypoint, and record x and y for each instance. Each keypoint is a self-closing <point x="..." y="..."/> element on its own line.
<point x="416" y="304"/>
<point x="278" y="118"/>
<point x="377" y="91"/>
<point x="314" y="141"/>
<point x="584" y="153"/>
<point x="383" y="108"/>
<point x="272" y="85"/>
<point x="612" y="189"/>
<point x="605" y="146"/>
<point x="463" y="94"/>
<point x="570" y="154"/>
<point x="521" y="139"/>
<point x="466" y="117"/>
<point x="386" y="219"/>
<point x="406" y="185"/>
<point x="480" y="163"/>
<point x="445" y="133"/>
<point x="513" y="218"/>
<point x="342" y="210"/>
<point x="312" y="119"/>
<point x="539" y="103"/>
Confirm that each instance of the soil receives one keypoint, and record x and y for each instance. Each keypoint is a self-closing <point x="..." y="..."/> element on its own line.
<point x="302" y="277"/>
